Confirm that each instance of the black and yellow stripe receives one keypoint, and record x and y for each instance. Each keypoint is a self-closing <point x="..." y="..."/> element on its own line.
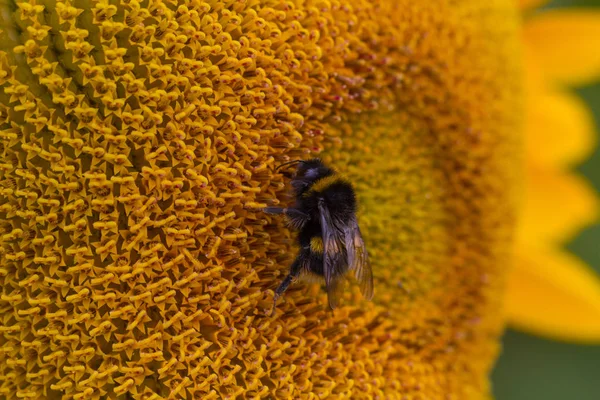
<point x="322" y="184"/>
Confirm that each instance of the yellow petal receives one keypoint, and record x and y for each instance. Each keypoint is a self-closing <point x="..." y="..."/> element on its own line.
<point x="566" y="43"/>
<point x="553" y="294"/>
<point x="559" y="129"/>
<point x="534" y="76"/>
<point x="527" y="4"/>
<point x="557" y="205"/>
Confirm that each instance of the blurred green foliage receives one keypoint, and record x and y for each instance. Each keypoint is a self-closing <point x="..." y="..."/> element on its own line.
<point x="531" y="368"/>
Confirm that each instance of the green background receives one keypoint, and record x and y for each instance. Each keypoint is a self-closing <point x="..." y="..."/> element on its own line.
<point x="531" y="368"/>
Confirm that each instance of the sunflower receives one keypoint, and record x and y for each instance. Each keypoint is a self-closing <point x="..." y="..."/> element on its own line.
<point x="551" y="292"/>
<point x="139" y="142"/>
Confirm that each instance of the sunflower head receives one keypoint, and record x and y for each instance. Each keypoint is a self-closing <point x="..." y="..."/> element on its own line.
<point x="139" y="141"/>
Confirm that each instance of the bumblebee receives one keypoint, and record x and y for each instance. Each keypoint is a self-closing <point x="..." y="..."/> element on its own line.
<point x="331" y="245"/>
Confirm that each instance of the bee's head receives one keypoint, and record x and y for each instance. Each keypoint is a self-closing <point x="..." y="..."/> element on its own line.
<point x="307" y="173"/>
<point x="312" y="170"/>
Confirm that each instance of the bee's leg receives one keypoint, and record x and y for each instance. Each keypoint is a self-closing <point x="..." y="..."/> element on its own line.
<point x="296" y="217"/>
<point x="291" y="212"/>
<point x="274" y="210"/>
<point x="294" y="272"/>
<point x="294" y="213"/>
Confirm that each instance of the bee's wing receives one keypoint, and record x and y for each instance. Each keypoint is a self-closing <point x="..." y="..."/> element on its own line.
<point x="334" y="264"/>
<point x="335" y="290"/>
<point x="358" y="258"/>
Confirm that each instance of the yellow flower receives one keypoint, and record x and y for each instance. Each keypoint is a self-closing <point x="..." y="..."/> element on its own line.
<point x="551" y="292"/>
<point x="139" y="143"/>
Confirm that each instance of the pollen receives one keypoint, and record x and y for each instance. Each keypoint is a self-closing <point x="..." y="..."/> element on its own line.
<point x="316" y="245"/>
<point x="139" y="141"/>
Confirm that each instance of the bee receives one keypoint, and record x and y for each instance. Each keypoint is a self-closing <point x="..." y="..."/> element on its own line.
<point x="331" y="245"/>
